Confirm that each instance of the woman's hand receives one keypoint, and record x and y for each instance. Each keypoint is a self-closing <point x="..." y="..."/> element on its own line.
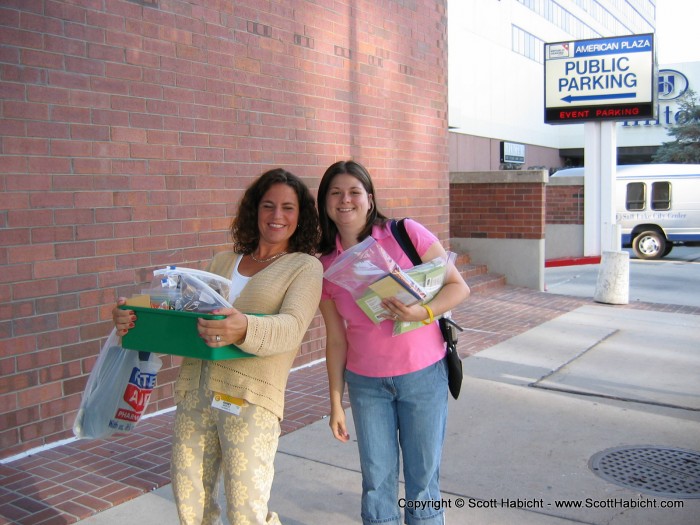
<point x="402" y="313"/>
<point x="222" y="332"/>
<point x="337" y="424"/>
<point x="123" y="319"/>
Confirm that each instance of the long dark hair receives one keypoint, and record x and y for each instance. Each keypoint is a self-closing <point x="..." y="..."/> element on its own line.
<point x="329" y="230"/>
<point x="244" y="228"/>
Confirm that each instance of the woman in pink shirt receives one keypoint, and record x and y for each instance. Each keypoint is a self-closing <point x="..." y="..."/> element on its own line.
<point x="397" y="384"/>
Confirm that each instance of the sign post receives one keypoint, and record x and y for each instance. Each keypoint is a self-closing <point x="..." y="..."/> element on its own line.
<point x="599" y="82"/>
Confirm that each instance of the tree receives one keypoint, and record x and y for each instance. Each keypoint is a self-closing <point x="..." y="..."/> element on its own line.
<point x="686" y="148"/>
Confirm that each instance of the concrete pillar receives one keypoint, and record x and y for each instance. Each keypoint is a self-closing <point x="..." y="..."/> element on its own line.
<point x="613" y="279"/>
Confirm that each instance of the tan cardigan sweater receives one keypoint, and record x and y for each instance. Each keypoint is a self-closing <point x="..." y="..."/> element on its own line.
<point x="288" y="290"/>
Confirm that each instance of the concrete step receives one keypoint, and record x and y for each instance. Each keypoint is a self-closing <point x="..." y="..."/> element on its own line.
<point x="477" y="275"/>
<point x="472" y="270"/>
<point x="463" y="259"/>
<point x="487" y="281"/>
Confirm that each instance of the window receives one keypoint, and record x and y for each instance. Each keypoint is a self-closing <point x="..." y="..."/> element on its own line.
<point x="661" y="196"/>
<point x="527" y="45"/>
<point x="636" y="196"/>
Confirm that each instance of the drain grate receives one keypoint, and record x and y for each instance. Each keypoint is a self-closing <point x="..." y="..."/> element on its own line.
<point x="669" y="472"/>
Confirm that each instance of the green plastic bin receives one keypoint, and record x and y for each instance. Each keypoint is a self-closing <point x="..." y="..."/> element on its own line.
<point x="174" y="332"/>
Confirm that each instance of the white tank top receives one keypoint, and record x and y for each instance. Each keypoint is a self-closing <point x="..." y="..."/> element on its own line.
<point x="238" y="282"/>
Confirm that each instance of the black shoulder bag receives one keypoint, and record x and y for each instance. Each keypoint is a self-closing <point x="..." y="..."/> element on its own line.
<point x="447" y="326"/>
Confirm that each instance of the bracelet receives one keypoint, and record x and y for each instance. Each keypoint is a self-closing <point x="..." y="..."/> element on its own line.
<point x="430" y="313"/>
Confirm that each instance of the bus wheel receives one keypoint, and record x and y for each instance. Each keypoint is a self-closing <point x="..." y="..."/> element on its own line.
<point x="649" y="245"/>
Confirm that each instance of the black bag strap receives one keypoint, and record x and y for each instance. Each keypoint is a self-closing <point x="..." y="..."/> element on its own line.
<point x="398" y="229"/>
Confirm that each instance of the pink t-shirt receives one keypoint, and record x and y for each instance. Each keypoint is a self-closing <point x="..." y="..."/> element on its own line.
<point x="372" y="349"/>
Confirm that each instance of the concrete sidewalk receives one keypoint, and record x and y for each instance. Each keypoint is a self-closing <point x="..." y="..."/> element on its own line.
<point x="533" y="412"/>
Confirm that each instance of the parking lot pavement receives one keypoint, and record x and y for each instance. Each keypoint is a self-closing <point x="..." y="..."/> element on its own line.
<point x="675" y="279"/>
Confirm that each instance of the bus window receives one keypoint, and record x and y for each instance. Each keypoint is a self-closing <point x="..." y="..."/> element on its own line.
<point x="661" y="196"/>
<point x="636" y="196"/>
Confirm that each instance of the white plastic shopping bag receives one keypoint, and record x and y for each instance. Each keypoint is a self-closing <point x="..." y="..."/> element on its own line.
<point x="117" y="391"/>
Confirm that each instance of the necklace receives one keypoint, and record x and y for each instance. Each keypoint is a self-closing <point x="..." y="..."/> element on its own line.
<point x="276" y="256"/>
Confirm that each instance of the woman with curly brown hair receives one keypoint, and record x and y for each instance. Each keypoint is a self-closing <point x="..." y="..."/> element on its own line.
<point x="274" y="273"/>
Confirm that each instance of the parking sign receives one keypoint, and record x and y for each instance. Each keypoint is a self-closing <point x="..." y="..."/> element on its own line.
<point x="600" y="79"/>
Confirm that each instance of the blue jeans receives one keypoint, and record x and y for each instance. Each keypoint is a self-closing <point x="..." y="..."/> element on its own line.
<point x="407" y="412"/>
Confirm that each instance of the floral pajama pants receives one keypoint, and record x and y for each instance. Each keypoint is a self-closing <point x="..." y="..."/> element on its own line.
<point x="208" y="441"/>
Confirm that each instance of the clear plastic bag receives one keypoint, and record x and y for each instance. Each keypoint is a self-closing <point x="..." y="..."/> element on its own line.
<point x="360" y="266"/>
<point x="369" y="273"/>
<point x="117" y="391"/>
<point x="178" y="288"/>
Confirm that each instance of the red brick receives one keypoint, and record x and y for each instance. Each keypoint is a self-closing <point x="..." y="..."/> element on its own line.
<point x="29" y="218"/>
<point x="92" y="165"/>
<point x="149" y="244"/>
<point x="11" y="36"/>
<point x="14" y="236"/>
<point x="19" y="418"/>
<point x="89" y="132"/>
<point x="146" y="151"/>
<point x="67" y="45"/>
<point x="128" y="103"/>
<point x="31" y="253"/>
<point x="25" y="110"/>
<point x="7" y="367"/>
<point x="111" y="86"/>
<point x="12" y="91"/>
<point x="110" y="150"/>
<point x="45" y="358"/>
<point x="71" y="148"/>
<point x="128" y="135"/>
<point x="101" y="52"/>
<point x="74" y="249"/>
<point x="18" y="382"/>
<point x="125" y="40"/>
<point x="51" y="130"/>
<point x="30" y="57"/>
<point x="35" y="325"/>
<point x="73" y="217"/>
<point x="105" y="20"/>
<point x="123" y="71"/>
<point x="70" y="114"/>
<point x="93" y="231"/>
<point x="84" y="350"/>
<point x="114" y="246"/>
<point x="109" y="117"/>
<point x="49" y="95"/>
<point x="146" y="121"/>
<point x="94" y="331"/>
<point x="25" y="146"/>
<point x="131" y="230"/>
<point x="141" y="27"/>
<point x="34" y="288"/>
<point x="44" y="428"/>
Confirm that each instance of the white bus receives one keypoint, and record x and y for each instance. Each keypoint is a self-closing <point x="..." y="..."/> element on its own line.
<point x="658" y="206"/>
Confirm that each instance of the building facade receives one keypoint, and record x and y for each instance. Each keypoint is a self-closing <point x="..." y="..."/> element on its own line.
<point x="496" y="82"/>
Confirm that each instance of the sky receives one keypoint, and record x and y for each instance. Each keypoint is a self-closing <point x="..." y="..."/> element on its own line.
<point x="676" y="31"/>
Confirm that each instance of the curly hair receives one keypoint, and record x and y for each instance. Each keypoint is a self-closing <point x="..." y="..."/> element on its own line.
<point x="244" y="227"/>
<point x="328" y="228"/>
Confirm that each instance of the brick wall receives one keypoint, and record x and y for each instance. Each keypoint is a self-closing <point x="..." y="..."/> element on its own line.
<point x="564" y="204"/>
<point x="128" y="130"/>
<point x="504" y="210"/>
